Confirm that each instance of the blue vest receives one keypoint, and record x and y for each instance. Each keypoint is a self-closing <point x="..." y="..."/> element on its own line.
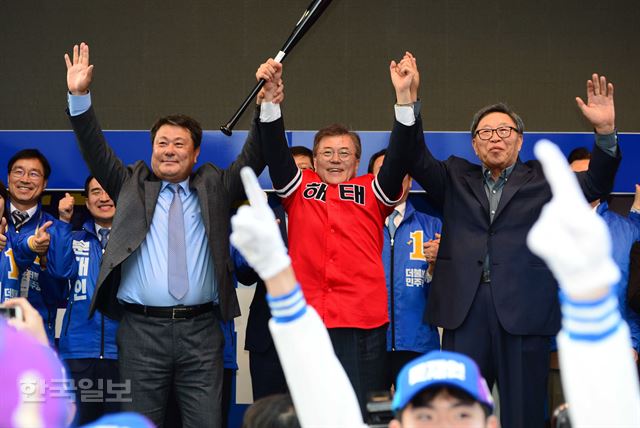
<point x="405" y="270"/>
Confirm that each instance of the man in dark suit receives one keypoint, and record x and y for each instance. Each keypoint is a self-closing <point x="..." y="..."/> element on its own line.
<point x="167" y="302"/>
<point x="496" y="301"/>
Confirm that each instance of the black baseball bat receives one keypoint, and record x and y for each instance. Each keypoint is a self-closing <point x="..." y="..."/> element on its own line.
<point x="308" y="18"/>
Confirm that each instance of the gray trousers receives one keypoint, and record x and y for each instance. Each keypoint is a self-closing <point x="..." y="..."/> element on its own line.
<point x="157" y="354"/>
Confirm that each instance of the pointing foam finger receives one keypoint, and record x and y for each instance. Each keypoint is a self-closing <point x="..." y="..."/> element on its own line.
<point x="252" y="187"/>
<point x="562" y="180"/>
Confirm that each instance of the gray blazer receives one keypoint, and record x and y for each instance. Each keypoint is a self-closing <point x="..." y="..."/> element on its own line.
<point x="135" y="190"/>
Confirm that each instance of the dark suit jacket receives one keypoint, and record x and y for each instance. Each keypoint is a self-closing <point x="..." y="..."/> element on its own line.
<point x="135" y="189"/>
<point x="525" y="294"/>
<point x="633" y="290"/>
<point x="258" y="337"/>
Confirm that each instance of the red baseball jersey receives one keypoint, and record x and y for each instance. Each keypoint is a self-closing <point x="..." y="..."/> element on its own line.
<point x="335" y="244"/>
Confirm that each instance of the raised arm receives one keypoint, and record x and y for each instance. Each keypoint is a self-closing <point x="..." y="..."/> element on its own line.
<point x="62" y="262"/>
<point x="271" y="135"/>
<point x="99" y="157"/>
<point x="315" y="377"/>
<point x="395" y="165"/>
<point x="427" y="171"/>
<point x="574" y="242"/>
<point x="599" y="110"/>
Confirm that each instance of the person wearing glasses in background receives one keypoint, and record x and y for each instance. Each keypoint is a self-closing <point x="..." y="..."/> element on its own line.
<point x="495" y="299"/>
<point x="30" y="227"/>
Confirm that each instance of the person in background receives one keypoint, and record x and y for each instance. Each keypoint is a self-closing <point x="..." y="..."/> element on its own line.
<point x="32" y="228"/>
<point x="87" y="344"/>
<point x="303" y="157"/>
<point x="408" y="275"/>
<point x="12" y="260"/>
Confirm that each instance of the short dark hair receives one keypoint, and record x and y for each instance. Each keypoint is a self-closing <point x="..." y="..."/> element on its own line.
<point x="373" y="159"/>
<point x="274" y="411"/>
<point x="30" y="154"/>
<point x="426" y="396"/>
<point x="86" y="184"/>
<point x="301" y="151"/>
<point x="335" y="130"/>
<point x="183" y="121"/>
<point x="579" y="153"/>
<point x="496" y="108"/>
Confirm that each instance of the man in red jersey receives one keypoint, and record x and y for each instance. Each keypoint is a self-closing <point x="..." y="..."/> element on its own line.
<point x="336" y="220"/>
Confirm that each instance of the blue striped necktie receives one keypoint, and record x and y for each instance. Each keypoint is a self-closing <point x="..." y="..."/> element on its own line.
<point x="104" y="237"/>
<point x="177" y="275"/>
<point x="392" y="223"/>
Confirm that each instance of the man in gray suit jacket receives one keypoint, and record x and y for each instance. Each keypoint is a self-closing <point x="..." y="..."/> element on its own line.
<point x="167" y="302"/>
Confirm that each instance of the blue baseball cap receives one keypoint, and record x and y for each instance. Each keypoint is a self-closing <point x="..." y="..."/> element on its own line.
<point x="440" y="368"/>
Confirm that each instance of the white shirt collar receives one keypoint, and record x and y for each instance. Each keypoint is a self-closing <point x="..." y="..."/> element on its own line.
<point x="31" y="211"/>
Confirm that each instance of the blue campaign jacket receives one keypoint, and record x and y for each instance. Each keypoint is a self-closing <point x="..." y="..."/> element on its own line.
<point x="625" y="231"/>
<point x="408" y="294"/>
<point x="45" y="292"/>
<point x="77" y="260"/>
<point x="13" y="261"/>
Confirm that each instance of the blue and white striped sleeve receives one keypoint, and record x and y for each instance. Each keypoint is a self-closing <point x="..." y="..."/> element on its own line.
<point x="599" y="376"/>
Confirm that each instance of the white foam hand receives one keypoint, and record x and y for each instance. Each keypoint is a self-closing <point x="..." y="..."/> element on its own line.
<point x="255" y="232"/>
<point x="569" y="236"/>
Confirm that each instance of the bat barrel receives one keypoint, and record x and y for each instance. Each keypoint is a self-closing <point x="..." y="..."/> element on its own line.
<point x="310" y="16"/>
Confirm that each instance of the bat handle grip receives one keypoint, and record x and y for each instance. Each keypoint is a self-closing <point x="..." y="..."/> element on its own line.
<point x="280" y="56"/>
<point x="227" y="129"/>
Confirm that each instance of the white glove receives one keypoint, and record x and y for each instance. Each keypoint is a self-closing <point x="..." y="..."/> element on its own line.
<point x="571" y="238"/>
<point x="256" y="233"/>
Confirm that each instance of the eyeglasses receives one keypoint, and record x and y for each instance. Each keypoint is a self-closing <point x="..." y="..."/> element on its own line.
<point x="33" y="174"/>
<point x="342" y="154"/>
<point x="502" y="132"/>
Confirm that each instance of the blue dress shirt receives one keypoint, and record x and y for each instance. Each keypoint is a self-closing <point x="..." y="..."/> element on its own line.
<point x="144" y="273"/>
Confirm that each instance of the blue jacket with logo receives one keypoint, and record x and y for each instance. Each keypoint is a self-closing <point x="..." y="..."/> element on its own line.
<point x="625" y="231"/>
<point x="77" y="259"/>
<point x="45" y="292"/>
<point x="405" y="269"/>
<point x="13" y="261"/>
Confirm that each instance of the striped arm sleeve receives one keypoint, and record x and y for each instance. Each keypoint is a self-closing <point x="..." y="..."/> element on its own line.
<point x="288" y="307"/>
<point x="291" y="186"/>
<point x="590" y="320"/>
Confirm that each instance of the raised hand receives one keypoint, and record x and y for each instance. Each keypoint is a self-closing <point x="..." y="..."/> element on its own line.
<point x="273" y="89"/>
<point x="411" y="62"/>
<point x="79" y="71"/>
<point x="255" y="231"/>
<point x="569" y="236"/>
<point x="39" y="242"/>
<point x="599" y="108"/>
<point x="402" y="75"/>
<point x="65" y="208"/>
<point x="3" y="234"/>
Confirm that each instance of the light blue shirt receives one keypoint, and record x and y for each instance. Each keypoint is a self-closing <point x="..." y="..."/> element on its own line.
<point x="144" y="273"/>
